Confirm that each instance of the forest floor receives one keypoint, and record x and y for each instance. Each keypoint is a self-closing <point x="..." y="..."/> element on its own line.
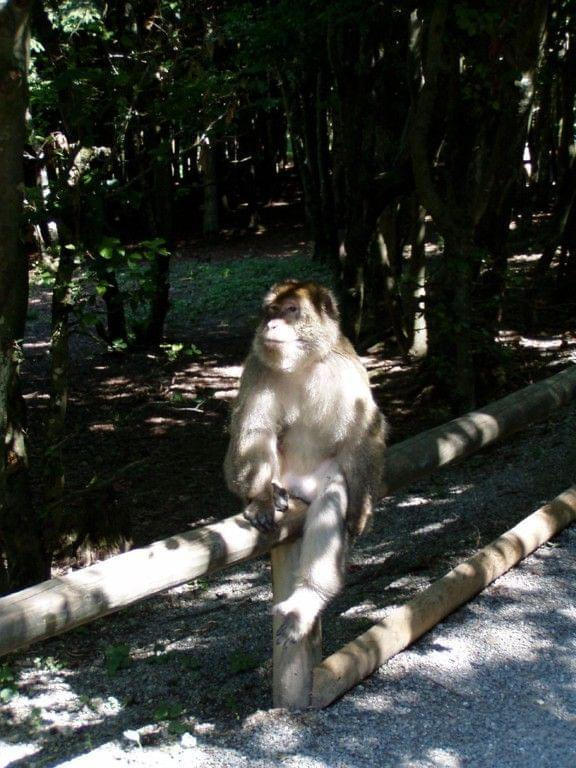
<point x="191" y="666"/>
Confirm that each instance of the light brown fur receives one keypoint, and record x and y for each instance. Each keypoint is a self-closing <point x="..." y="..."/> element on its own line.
<point x="305" y="421"/>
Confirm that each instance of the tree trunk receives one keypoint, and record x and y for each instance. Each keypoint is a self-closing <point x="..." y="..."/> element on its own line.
<point x="162" y="226"/>
<point x="160" y="302"/>
<point x="21" y="533"/>
<point x="449" y="319"/>
<point x="352" y="56"/>
<point x="55" y="427"/>
<point x="415" y="297"/>
<point x="384" y="284"/>
<point x="210" y="223"/>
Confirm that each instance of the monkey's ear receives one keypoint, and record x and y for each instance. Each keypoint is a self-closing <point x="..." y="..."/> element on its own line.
<point x="329" y="303"/>
<point x="273" y="292"/>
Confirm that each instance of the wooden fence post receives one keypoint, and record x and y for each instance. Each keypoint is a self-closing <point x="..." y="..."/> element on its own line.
<point x="293" y="662"/>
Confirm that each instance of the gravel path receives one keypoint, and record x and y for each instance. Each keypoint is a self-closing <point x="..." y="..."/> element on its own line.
<point x="494" y="685"/>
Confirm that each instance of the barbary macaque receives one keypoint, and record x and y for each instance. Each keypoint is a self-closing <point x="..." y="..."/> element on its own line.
<point x="305" y="425"/>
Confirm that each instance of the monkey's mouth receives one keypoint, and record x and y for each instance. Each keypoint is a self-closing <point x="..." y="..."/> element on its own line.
<point x="278" y="342"/>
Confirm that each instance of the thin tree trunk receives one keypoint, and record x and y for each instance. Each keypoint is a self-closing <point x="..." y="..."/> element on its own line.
<point x="21" y="537"/>
<point x="210" y="224"/>
<point x="160" y="302"/>
<point x="162" y="226"/>
<point x="416" y="286"/>
<point x="55" y="427"/>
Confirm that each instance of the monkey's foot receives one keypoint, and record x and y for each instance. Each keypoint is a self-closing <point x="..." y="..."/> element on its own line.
<point x="298" y="613"/>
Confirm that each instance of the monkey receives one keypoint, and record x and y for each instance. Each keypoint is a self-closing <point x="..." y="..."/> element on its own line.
<point x="305" y="424"/>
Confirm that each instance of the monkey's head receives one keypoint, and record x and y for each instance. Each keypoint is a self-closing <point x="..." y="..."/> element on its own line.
<point x="299" y="325"/>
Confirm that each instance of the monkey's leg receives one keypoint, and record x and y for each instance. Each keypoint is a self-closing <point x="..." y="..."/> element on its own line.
<point x="321" y="571"/>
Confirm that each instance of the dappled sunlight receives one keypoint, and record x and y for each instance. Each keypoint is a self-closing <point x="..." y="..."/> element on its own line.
<point x="293" y="735"/>
<point x="218" y="381"/>
<point x="14" y="754"/>
<point x="477" y="426"/>
<point x="525" y="258"/>
<point x="52" y="692"/>
<point x="105" y="427"/>
<point x="36" y="346"/>
<point x="543" y="344"/>
<point x="444" y="758"/>
<point x="503" y="663"/>
<point x="434" y="527"/>
<point x="161" y="425"/>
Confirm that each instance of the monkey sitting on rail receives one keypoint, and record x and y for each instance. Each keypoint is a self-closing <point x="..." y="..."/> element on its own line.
<point x="305" y="424"/>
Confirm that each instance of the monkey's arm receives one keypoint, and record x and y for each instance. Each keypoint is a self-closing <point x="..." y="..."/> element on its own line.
<point x="251" y="462"/>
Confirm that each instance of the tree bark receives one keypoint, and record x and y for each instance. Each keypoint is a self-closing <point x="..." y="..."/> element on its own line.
<point x="21" y="537"/>
<point x="55" y="426"/>
<point x="352" y="56"/>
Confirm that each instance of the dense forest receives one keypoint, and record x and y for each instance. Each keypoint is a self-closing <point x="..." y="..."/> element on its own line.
<point x="428" y="148"/>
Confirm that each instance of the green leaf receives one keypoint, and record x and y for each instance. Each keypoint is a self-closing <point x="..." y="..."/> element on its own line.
<point x="240" y="662"/>
<point x="117" y="657"/>
<point x="168" y="710"/>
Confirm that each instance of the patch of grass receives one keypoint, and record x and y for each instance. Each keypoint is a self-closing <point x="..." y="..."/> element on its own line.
<point x="168" y="710"/>
<point x="48" y="664"/>
<point x="117" y="657"/>
<point x="232" y="291"/>
<point x="8" y="689"/>
<point x="240" y="662"/>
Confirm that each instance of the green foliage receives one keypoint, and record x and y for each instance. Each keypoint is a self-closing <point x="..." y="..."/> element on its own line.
<point x="8" y="688"/>
<point x="176" y="351"/>
<point x="48" y="663"/>
<point x="168" y="710"/>
<point x="240" y="661"/>
<point x="117" y="657"/>
<point x="134" y="270"/>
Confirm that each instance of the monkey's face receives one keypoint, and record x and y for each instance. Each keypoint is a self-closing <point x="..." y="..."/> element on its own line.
<point x="299" y="324"/>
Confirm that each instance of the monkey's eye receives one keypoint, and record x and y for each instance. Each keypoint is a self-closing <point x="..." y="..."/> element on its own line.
<point x="292" y="309"/>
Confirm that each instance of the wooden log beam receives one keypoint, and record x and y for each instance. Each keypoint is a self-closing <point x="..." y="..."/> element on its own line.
<point x="65" y="602"/>
<point x="359" y="658"/>
<point x="446" y="444"/>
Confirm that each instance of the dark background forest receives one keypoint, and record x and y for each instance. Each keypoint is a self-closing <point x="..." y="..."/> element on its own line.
<point x="162" y="162"/>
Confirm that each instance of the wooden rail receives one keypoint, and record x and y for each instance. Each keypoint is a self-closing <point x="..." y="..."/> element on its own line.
<point x="406" y="623"/>
<point x="65" y="602"/>
<point x="68" y="601"/>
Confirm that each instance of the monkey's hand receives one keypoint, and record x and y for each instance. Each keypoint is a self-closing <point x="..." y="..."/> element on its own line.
<point x="261" y="513"/>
